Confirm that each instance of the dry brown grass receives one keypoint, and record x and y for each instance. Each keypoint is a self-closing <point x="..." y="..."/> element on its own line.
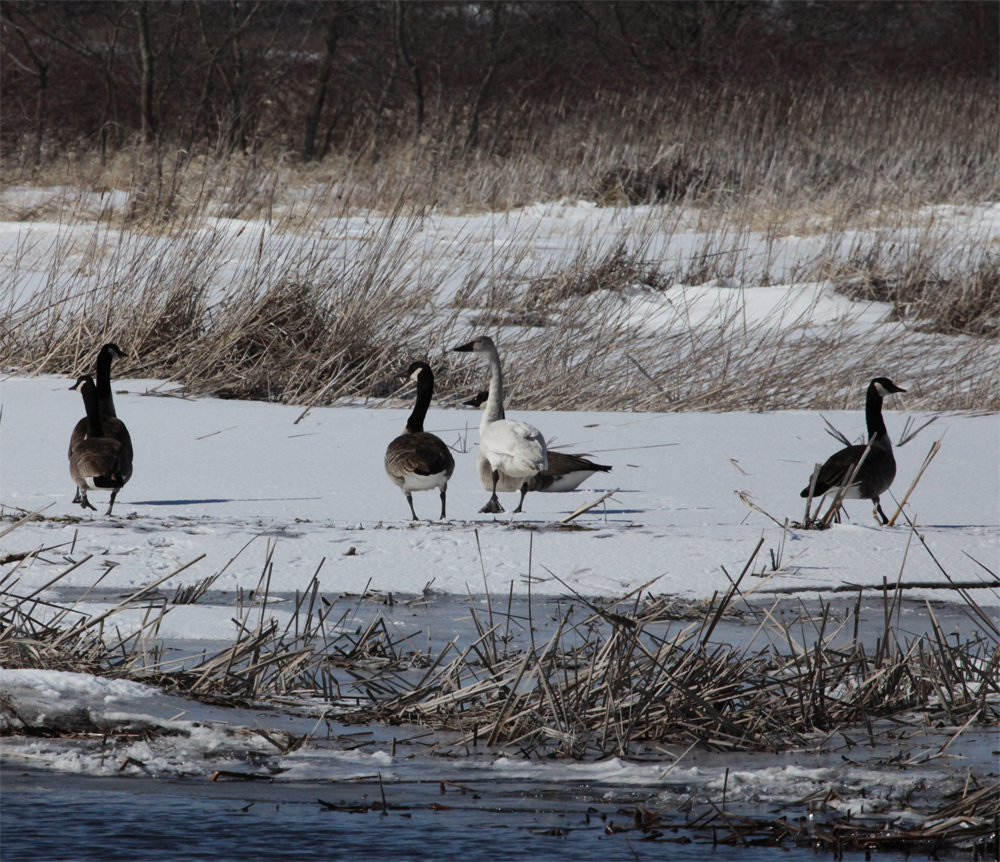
<point x="605" y="684"/>
<point x="248" y="277"/>
<point x="583" y="336"/>
<point x="254" y="312"/>
<point x="933" y="295"/>
<point x="613" y="676"/>
<point x="846" y="147"/>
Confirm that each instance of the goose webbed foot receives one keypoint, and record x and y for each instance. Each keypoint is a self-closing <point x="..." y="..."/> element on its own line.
<point x="77" y="498"/>
<point x="493" y="507"/>
<point x="409" y="499"/>
<point x="878" y="509"/>
<point x="85" y="503"/>
<point x="111" y="505"/>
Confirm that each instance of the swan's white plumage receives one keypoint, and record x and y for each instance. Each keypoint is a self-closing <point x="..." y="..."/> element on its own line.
<point x="511" y="447"/>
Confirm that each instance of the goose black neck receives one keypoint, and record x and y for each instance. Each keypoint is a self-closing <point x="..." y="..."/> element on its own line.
<point x="105" y="398"/>
<point x="90" y="403"/>
<point x="873" y="414"/>
<point x="425" y="389"/>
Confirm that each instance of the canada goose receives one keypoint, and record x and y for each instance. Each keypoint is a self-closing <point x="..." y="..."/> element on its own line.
<point x="112" y="426"/>
<point x="417" y="460"/>
<point x="879" y="468"/>
<point x="514" y="448"/>
<point x="565" y="472"/>
<point x="95" y="461"/>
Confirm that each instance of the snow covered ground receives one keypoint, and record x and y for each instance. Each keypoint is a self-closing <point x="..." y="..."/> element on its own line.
<point x="236" y="483"/>
<point x="225" y="478"/>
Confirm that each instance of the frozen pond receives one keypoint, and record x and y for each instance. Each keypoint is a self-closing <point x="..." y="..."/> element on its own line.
<point x="152" y="798"/>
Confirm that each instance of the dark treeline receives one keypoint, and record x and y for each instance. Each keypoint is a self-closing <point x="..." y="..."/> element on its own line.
<point x="308" y="78"/>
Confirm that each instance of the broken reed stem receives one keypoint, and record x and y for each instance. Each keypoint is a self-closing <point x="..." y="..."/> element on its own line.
<point x="602" y="684"/>
<point x="806" y="522"/>
<point x="92" y="621"/>
<point x="586" y="507"/>
<point x="935" y="448"/>
<point x="842" y="493"/>
<point x="21" y="521"/>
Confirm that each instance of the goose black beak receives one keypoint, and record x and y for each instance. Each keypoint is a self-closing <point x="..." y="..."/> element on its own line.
<point x="477" y="400"/>
<point x="464" y="348"/>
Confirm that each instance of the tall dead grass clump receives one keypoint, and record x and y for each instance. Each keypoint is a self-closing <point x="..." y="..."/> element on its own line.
<point x="931" y="294"/>
<point x="634" y="328"/>
<point x="208" y="308"/>
<point x="308" y="297"/>
<point x="605" y="684"/>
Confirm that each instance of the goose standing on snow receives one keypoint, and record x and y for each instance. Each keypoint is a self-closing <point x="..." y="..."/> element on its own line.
<point x="418" y="460"/>
<point x="111" y="425"/>
<point x="515" y="449"/>
<point x="95" y="461"/>
<point x="565" y="472"/>
<point x="878" y="470"/>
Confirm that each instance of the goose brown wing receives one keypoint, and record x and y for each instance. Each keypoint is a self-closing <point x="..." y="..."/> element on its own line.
<point x="96" y="458"/>
<point x="422" y="453"/>
<point x="115" y="429"/>
<point x="561" y="463"/>
<point x="78" y="436"/>
<point x="836" y="470"/>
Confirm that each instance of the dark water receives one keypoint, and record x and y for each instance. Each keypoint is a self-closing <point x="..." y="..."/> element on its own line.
<point x="55" y="819"/>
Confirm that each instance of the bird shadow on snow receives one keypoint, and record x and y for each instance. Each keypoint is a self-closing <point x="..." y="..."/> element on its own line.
<point x="220" y="500"/>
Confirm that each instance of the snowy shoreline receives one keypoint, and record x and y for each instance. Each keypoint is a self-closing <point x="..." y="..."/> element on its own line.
<point x="212" y="476"/>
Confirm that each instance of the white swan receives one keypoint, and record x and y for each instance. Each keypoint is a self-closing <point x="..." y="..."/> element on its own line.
<point x="566" y="472"/>
<point x="514" y="448"/>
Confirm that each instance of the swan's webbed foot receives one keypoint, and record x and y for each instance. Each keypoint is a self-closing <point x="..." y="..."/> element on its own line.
<point x="493" y="507"/>
<point x="520" y="503"/>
